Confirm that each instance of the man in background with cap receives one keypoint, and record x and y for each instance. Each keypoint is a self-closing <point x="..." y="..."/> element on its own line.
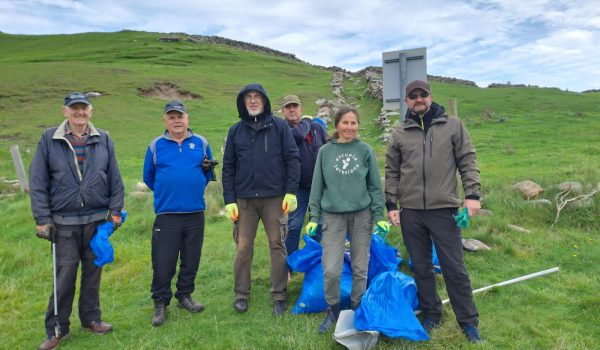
<point x="177" y="168"/>
<point x="309" y="136"/>
<point x="261" y="168"/>
<point x="75" y="185"/>
<point x="422" y="161"/>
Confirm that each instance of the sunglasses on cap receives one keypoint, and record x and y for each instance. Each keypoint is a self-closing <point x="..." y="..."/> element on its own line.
<point x="415" y="95"/>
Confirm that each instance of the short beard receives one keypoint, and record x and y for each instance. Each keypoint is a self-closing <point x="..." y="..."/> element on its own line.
<point x="254" y="114"/>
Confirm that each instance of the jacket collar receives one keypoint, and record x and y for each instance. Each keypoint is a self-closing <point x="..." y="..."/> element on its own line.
<point x="60" y="131"/>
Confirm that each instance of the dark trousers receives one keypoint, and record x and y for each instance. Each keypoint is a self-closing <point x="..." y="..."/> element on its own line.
<point x="296" y="221"/>
<point x="73" y="246"/>
<point x="419" y="228"/>
<point x="174" y="236"/>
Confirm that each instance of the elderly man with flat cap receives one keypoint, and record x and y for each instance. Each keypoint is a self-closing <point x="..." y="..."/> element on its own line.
<point x="309" y="136"/>
<point x="178" y="167"/>
<point x="75" y="185"/>
<point x="423" y="158"/>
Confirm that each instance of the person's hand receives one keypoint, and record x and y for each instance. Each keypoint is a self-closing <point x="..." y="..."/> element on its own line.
<point x="394" y="216"/>
<point x="472" y="206"/>
<point x="116" y="220"/>
<point x="311" y="229"/>
<point x="231" y="211"/>
<point x="45" y="231"/>
<point x="290" y="203"/>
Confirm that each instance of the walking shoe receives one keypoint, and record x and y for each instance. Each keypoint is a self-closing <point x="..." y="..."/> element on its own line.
<point x="52" y="343"/>
<point x="472" y="333"/>
<point x="240" y="305"/>
<point x="160" y="314"/>
<point x="430" y="324"/>
<point x="333" y="312"/>
<point x="98" y="327"/>
<point x="186" y="302"/>
<point x="279" y="307"/>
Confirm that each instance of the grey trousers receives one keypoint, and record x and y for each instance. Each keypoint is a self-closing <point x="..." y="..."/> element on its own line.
<point x="244" y="233"/>
<point x="72" y="247"/>
<point x="419" y="228"/>
<point x="335" y="226"/>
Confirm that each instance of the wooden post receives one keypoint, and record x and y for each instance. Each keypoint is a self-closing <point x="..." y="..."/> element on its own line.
<point x="19" y="168"/>
<point x="453" y="107"/>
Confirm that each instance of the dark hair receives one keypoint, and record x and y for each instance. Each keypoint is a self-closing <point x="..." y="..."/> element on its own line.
<point x="338" y="117"/>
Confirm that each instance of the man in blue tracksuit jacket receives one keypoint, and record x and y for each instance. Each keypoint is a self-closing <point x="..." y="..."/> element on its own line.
<point x="261" y="169"/>
<point x="177" y="168"/>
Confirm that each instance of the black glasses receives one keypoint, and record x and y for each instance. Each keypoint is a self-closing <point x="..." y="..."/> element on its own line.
<point x="416" y="95"/>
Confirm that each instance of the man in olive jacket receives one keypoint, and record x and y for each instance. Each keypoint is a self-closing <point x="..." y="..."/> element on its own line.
<point x="422" y="161"/>
<point x="75" y="185"/>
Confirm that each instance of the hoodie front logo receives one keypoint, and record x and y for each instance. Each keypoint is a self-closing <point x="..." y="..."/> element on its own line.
<point x="346" y="163"/>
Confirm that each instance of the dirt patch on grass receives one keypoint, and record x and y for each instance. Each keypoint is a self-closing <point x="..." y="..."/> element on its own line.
<point x="167" y="91"/>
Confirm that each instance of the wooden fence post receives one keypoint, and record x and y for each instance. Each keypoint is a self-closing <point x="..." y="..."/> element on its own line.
<point x="19" y="168"/>
<point x="453" y="107"/>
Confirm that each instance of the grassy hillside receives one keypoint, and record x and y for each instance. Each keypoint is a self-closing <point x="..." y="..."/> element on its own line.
<point x="545" y="135"/>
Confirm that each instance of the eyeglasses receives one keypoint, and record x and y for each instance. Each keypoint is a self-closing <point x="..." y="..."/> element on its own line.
<point x="416" y="95"/>
<point x="249" y="98"/>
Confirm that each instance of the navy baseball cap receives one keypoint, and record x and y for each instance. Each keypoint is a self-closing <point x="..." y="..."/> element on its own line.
<point x="76" y="97"/>
<point x="175" y="106"/>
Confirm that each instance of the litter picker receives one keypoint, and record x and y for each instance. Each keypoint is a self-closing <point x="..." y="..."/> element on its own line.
<point x="57" y="330"/>
<point x="512" y="281"/>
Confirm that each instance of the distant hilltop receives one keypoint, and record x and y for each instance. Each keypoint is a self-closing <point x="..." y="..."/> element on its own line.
<point x="370" y="71"/>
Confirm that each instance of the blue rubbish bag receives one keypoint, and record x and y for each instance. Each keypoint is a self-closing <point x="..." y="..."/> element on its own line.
<point x="434" y="260"/>
<point x="387" y="306"/>
<point x="312" y="297"/>
<point x="100" y="243"/>
<point x="383" y="258"/>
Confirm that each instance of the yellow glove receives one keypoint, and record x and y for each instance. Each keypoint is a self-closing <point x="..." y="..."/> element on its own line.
<point x="383" y="227"/>
<point x="311" y="229"/>
<point x="290" y="203"/>
<point x="232" y="211"/>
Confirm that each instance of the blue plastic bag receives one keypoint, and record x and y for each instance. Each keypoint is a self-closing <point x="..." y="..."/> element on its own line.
<point x="387" y="306"/>
<point x="383" y="258"/>
<point x="100" y="243"/>
<point x="312" y="297"/>
<point x="434" y="260"/>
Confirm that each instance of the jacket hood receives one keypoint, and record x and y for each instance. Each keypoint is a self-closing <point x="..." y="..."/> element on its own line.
<point x="242" y="112"/>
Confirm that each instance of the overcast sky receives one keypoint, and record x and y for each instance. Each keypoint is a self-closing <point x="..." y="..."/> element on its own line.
<point x="538" y="42"/>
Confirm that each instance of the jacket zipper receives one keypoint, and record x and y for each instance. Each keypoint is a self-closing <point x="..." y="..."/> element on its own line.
<point x="424" y="177"/>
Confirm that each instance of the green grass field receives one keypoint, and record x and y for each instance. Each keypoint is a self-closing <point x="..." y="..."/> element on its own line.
<point x="542" y="134"/>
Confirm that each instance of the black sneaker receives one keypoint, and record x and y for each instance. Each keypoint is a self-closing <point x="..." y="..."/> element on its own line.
<point x="240" y="305"/>
<point x="189" y="304"/>
<point x="333" y="312"/>
<point x="472" y="334"/>
<point x="430" y="324"/>
<point x="279" y="307"/>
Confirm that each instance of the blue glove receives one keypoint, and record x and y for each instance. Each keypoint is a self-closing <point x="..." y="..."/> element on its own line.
<point x="462" y="219"/>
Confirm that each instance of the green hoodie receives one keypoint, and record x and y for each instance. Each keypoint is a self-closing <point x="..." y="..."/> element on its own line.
<point x="346" y="179"/>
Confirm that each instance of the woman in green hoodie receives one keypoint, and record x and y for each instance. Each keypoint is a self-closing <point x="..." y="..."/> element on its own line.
<point x="346" y="191"/>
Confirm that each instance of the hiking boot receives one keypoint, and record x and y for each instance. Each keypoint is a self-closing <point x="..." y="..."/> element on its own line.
<point x="160" y="314"/>
<point x="186" y="302"/>
<point x="279" y="307"/>
<point x="52" y="343"/>
<point x="240" y="305"/>
<point x="98" y="327"/>
<point x="430" y="324"/>
<point x="472" y="333"/>
<point x="333" y="312"/>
